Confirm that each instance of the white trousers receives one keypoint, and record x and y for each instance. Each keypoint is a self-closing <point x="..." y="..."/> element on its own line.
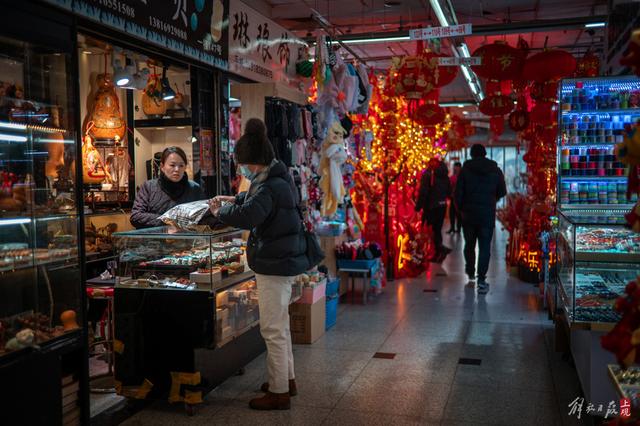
<point x="274" y="295"/>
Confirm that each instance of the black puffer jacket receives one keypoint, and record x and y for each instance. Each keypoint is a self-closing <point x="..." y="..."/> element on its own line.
<point x="276" y="244"/>
<point x="152" y="201"/>
<point x="479" y="187"/>
<point x="434" y="189"/>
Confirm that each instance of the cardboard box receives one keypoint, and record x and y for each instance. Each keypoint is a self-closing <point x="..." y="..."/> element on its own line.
<point x="311" y="295"/>
<point x="307" y="321"/>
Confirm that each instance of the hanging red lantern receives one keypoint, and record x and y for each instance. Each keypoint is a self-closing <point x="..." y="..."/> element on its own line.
<point x="440" y="76"/>
<point x="496" y="125"/>
<point x="499" y="61"/>
<point x="429" y="114"/>
<point x="544" y="113"/>
<point x="549" y="65"/>
<point x="588" y="65"/>
<point x="519" y="120"/>
<point x="496" y="105"/>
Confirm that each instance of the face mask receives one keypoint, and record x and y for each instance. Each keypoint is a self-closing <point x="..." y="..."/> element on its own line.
<point x="244" y="171"/>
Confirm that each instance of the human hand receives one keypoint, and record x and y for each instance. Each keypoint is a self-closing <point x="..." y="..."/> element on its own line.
<point x="214" y="206"/>
<point x="225" y="198"/>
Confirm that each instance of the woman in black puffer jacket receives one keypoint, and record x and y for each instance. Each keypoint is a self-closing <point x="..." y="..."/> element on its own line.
<point x="276" y="252"/>
<point x="171" y="188"/>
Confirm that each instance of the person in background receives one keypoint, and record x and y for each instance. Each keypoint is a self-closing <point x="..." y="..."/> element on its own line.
<point x="172" y="187"/>
<point x="435" y="188"/>
<point x="276" y="252"/>
<point x="455" y="222"/>
<point x="479" y="187"/>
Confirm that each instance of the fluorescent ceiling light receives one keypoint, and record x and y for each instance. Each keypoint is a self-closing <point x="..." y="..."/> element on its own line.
<point x="234" y="99"/>
<point x="465" y="112"/>
<point x="595" y="25"/>
<point x="312" y="59"/>
<point x="375" y="40"/>
<point x="12" y="138"/>
<point x="12" y="126"/>
<point x="435" y="4"/>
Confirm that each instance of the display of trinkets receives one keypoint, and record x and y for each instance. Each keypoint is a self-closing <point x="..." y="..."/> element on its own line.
<point x="596" y="293"/>
<point x="609" y="240"/>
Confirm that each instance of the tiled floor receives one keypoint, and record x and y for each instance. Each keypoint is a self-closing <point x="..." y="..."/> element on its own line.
<point x="520" y="379"/>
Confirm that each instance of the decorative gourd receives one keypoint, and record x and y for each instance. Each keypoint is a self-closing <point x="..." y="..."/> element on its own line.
<point x="105" y="115"/>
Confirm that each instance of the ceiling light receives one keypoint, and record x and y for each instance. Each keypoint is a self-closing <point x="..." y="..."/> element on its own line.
<point x="167" y="92"/>
<point x="87" y="52"/>
<point x="374" y="40"/>
<point x="595" y="25"/>
<point x="465" y="112"/>
<point x="435" y="4"/>
<point x="120" y="76"/>
<point x="459" y="104"/>
<point x="312" y="59"/>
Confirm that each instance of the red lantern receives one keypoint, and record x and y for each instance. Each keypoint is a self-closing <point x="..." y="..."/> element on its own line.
<point x="496" y="125"/>
<point x="544" y="113"/>
<point x="588" y="65"/>
<point x="440" y="75"/>
<point x="496" y="105"/>
<point x="499" y="61"/>
<point x="549" y="65"/>
<point x="519" y="120"/>
<point x="429" y="115"/>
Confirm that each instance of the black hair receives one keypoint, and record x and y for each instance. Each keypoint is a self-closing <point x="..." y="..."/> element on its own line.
<point x="173" y="150"/>
<point x="457" y="164"/>
<point x="254" y="147"/>
<point x="478" y="150"/>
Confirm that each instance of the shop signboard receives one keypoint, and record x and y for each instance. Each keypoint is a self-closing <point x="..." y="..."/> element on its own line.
<point x="440" y="32"/>
<point x="454" y="61"/>
<point x="196" y="29"/>
<point x="260" y="49"/>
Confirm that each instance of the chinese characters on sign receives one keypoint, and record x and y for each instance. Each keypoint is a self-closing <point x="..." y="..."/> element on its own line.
<point x="576" y="408"/>
<point x="240" y="26"/>
<point x="196" y="29"/>
<point x="263" y="41"/>
<point x="454" y="61"/>
<point x="260" y="49"/>
<point x="440" y="32"/>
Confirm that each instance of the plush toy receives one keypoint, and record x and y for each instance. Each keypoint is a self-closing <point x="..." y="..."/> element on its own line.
<point x="333" y="156"/>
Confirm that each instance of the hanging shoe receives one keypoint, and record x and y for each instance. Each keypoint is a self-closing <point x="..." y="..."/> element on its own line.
<point x="293" y="389"/>
<point x="271" y="401"/>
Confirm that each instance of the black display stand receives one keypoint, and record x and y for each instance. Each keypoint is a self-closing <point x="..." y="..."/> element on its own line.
<point x="165" y="331"/>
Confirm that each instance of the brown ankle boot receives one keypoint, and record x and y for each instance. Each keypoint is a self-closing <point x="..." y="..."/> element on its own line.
<point x="271" y="401"/>
<point x="293" y="389"/>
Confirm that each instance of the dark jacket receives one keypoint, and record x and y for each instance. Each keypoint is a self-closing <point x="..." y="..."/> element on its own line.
<point x="276" y="244"/>
<point x="435" y="188"/>
<point x="479" y="187"/>
<point x="152" y="201"/>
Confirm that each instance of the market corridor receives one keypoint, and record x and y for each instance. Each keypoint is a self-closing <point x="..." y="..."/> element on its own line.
<point x="438" y="329"/>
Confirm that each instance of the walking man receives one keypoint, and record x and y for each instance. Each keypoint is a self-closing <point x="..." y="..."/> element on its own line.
<point x="479" y="187"/>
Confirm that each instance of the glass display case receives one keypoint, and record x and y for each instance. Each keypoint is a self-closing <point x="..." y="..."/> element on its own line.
<point x="597" y="258"/>
<point x="166" y="258"/>
<point x="592" y="118"/>
<point x="163" y="258"/>
<point x="40" y="279"/>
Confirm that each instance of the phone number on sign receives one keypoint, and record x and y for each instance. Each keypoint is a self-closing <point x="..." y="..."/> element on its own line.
<point x="119" y="7"/>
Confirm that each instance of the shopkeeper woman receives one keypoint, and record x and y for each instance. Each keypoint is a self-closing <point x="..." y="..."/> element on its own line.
<point x="276" y="252"/>
<point x="171" y="188"/>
